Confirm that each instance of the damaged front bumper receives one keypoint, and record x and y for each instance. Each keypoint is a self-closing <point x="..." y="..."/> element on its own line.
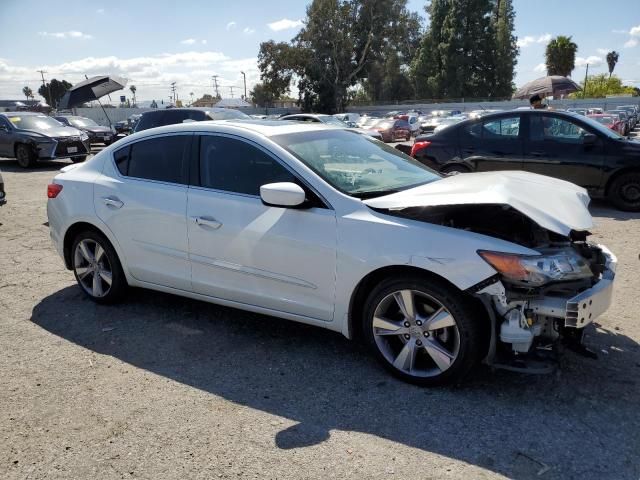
<point x="521" y="325"/>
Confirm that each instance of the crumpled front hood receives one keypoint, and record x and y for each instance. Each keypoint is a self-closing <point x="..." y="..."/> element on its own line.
<point x="553" y="204"/>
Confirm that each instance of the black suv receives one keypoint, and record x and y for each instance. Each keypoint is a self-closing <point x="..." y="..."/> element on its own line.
<point x="171" y="116"/>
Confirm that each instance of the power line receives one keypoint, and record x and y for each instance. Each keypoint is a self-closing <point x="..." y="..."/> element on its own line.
<point x="45" y="86"/>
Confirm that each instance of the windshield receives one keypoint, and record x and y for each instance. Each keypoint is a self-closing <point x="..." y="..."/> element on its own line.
<point x="333" y="121"/>
<point x="228" y="114"/>
<point x="604" y="120"/>
<point x="82" y="122"/>
<point x="356" y="164"/>
<point x="34" y="122"/>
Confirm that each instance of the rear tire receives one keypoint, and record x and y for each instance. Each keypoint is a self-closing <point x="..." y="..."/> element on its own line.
<point x="433" y="338"/>
<point x="25" y="156"/>
<point x="624" y="192"/>
<point x="454" y="168"/>
<point x="97" y="268"/>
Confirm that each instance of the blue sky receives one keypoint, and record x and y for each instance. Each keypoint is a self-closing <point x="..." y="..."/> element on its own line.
<point x="156" y="43"/>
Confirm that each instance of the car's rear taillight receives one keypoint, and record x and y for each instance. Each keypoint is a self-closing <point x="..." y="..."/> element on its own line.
<point x="419" y="146"/>
<point x="53" y="189"/>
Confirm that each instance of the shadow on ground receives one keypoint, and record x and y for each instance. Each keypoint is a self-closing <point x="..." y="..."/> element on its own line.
<point x="579" y="423"/>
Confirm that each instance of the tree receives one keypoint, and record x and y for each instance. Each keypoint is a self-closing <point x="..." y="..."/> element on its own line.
<point x="612" y="59"/>
<point x="336" y="49"/>
<point x="560" y="56"/>
<point x="57" y="88"/>
<point x="507" y="50"/>
<point x="261" y="96"/>
<point x="457" y="56"/>
<point x="27" y="92"/>
<point x="601" y="85"/>
<point x="133" y="92"/>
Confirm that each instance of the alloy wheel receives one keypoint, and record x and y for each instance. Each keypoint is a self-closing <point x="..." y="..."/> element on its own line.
<point x="415" y="333"/>
<point x="92" y="267"/>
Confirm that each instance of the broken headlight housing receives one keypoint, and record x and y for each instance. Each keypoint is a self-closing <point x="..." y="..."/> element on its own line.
<point x="537" y="270"/>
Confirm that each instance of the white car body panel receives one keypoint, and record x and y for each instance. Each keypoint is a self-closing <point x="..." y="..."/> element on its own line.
<point x="553" y="204"/>
<point x="299" y="264"/>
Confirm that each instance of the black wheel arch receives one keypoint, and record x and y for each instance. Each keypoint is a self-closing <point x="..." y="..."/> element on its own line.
<point x="70" y="235"/>
<point x="614" y="176"/>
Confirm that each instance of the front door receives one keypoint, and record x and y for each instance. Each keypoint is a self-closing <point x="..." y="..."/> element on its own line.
<point x="493" y="144"/>
<point x="247" y="252"/>
<point x="558" y="147"/>
<point x="6" y="138"/>
<point x="142" y="197"/>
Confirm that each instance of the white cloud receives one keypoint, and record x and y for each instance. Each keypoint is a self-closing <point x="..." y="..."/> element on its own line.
<point x="248" y="31"/>
<point x="623" y="32"/>
<point x="541" y="67"/>
<point x="231" y="25"/>
<point x="635" y="31"/>
<point x="592" y="61"/>
<point x="632" y="42"/>
<point x="603" y="51"/>
<point x="69" y="34"/>
<point x="524" y="42"/>
<point x="203" y="42"/>
<point x="100" y="11"/>
<point x="284" y="24"/>
<point x="188" y="41"/>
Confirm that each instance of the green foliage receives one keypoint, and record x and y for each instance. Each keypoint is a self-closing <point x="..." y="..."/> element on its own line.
<point x="601" y="85"/>
<point x="133" y="90"/>
<point x="27" y="92"/>
<point x="612" y="59"/>
<point x="57" y="88"/>
<point x="469" y="50"/>
<point x="343" y="43"/>
<point x="560" y="56"/>
<point x="261" y="96"/>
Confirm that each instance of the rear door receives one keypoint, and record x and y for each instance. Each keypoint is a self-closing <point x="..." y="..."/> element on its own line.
<point x="492" y="144"/>
<point x="142" y="197"/>
<point x="556" y="147"/>
<point x="244" y="251"/>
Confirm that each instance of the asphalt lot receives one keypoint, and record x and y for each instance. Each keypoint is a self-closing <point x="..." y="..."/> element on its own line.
<point x="166" y="387"/>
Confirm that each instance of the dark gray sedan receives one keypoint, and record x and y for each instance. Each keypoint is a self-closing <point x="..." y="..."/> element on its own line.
<point x="29" y="137"/>
<point x="97" y="133"/>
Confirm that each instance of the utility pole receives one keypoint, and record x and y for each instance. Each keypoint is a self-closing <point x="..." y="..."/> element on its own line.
<point x="584" y="92"/>
<point x="215" y="84"/>
<point x="231" y="88"/>
<point x="244" y="77"/>
<point x="48" y="87"/>
<point x="173" y="91"/>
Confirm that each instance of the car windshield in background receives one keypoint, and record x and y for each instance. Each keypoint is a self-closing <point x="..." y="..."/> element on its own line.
<point x="82" y="122"/>
<point x="356" y="164"/>
<point x="333" y="121"/>
<point x="604" y="120"/>
<point x="227" y="115"/>
<point x="385" y="124"/>
<point x="34" y="122"/>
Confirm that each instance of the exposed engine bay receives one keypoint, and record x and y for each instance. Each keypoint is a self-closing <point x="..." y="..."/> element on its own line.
<point x="538" y="302"/>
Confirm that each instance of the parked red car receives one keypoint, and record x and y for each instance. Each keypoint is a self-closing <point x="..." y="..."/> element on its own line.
<point x="613" y="122"/>
<point x="393" y="129"/>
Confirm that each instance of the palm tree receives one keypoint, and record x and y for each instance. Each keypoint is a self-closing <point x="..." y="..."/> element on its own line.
<point x="191" y="98"/>
<point x="133" y="92"/>
<point x="27" y="92"/>
<point x="612" y="59"/>
<point x="560" y="56"/>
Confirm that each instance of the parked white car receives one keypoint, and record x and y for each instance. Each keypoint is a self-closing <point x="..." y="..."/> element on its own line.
<point x="331" y="228"/>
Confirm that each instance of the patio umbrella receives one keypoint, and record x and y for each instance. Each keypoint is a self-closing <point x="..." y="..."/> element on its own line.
<point x="554" y="85"/>
<point x="91" y="89"/>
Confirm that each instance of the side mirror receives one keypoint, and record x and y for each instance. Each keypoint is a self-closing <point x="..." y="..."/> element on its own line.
<point x="284" y="194"/>
<point x="589" y="139"/>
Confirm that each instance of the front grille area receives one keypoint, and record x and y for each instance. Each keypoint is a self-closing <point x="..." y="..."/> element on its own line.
<point x="65" y="143"/>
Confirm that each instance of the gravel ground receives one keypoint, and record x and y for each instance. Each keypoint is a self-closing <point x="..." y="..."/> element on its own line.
<point x="165" y="387"/>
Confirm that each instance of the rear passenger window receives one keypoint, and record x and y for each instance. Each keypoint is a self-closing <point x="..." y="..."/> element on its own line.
<point x="502" y="127"/>
<point x="162" y="159"/>
<point x="236" y="166"/>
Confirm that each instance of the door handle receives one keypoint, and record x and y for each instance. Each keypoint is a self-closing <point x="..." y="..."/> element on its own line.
<point x="113" y="202"/>
<point x="207" y="222"/>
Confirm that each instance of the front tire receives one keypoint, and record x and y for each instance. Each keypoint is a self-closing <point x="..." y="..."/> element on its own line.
<point x="25" y="156"/>
<point x="624" y="192"/>
<point x="422" y="330"/>
<point x="97" y="268"/>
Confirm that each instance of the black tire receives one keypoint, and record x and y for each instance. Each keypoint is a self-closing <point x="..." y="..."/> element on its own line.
<point x="25" y="156"/>
<point x="468" y="335"/>
<point x="118" y="287"/>
<point x="624" y="192"/>
<point x="455" y="168"/>
<point x="79" y="159"/>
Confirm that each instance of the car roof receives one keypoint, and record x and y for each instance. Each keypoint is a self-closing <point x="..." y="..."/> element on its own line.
<point x="24" y="114"/>
<point x="186" y="109"/>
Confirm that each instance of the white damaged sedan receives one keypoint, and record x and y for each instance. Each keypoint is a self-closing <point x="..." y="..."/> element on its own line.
<point x="331" y="228"/>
